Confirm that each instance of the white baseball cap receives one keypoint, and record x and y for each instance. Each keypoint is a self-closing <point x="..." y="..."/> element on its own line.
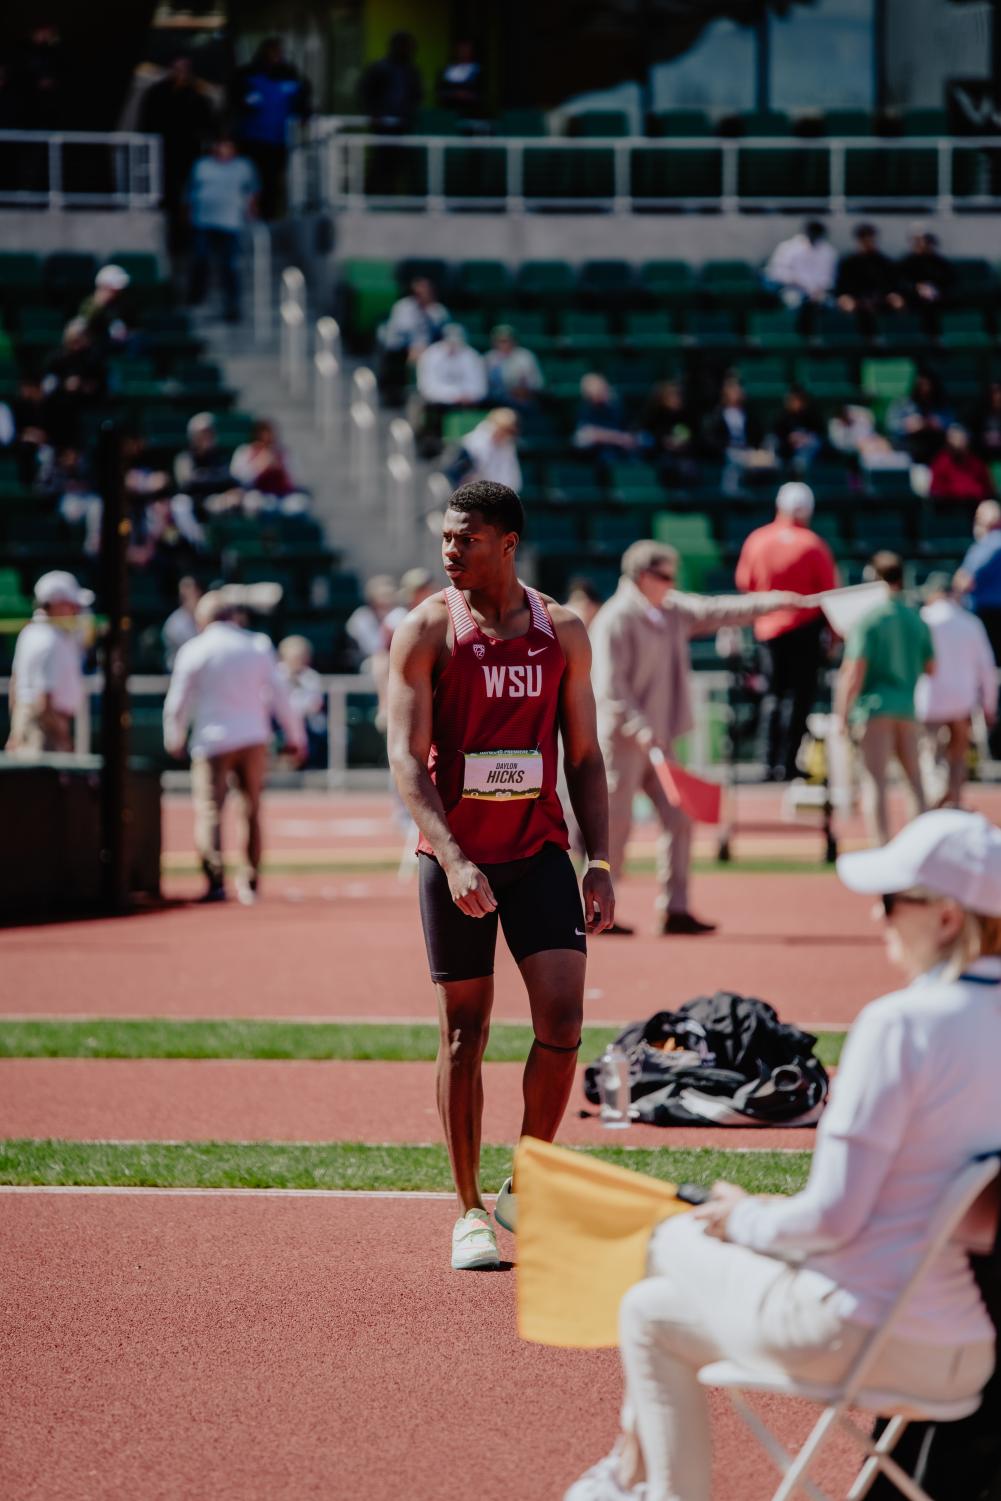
<point x="116" y="278"/>
<point x="948" y="852"/>
<point x="795" y="499"/>
<point x="58" y="587"/>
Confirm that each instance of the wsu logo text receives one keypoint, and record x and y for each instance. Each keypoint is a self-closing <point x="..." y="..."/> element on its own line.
<point x="513" y="682"/>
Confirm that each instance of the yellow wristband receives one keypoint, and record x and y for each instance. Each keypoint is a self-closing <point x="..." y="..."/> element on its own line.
<point x="599" y="865"/>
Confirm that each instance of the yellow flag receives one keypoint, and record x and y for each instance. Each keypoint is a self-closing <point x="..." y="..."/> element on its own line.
<point x="583" y="1231"/>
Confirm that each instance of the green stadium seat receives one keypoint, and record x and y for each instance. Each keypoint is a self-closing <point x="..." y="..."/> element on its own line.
<point x="774" y="328"/>
<point x="587" y="330"/>
<point x="888" y="379"/>
<point x="692" y="535"/>
<point x="480" y="284"/>
<point x="836" y="329"/>
<point x="636" y="485"/>
<point x="20" y="272"/>
<point x="475" y="172"/>
<point x="828" y="378"/>
<point x="731" y="284"/>
<point x="548" y="284"/>
<point x="681" y="123"/>
<point x="522" y="123"/>
<point x="651" y="330"/>
<point x="552" y="529"/>
<point x="533" y="327"/>
<point x="565" y="174"/>
<point x="711" y="328"/>
<point x="903" y="331"/>
<point x="142" y="265"/>
<point x="436" y="122"/>
<point x="456" y="425"/>
<point x="964" y="329"/>
<point x="828" y="524"/>
<point x="765" y="122"/>
<point x="669" y="284"/>
<point x="614" y="531"/>
<point x="371" y="288"/>
<point x="847" y="122"/>
<point x="69" y="274"/>
<point x="605" y="283"/>
<point x="431" y="266"/>
<point x="944" y="530"/>
<point x="890" y="484"/>
<point x="975" y="284"/>
<point x="765" y="377"/>
<point x="575" y="482"/>
<point x="682" y="175"/>
<point x="876" y="529"/>
<point x="596" y="123"/>
<point x="564" y="373"/>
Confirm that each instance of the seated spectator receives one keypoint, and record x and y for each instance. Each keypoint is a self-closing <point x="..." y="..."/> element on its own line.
<point x="957" y="473"/>
<point x="23" y="434"/>
<point x="585" y="599"/>
<point x="414" y="322"/>
<point x="925" y="276"/>
<point x="305" y="688"/>
<point x="667" y="433"/>
<point x="391" y="88"/>
<point x="202" y="470"/>
<point x="867" y="280"/>
<point x="804" y="267"/>
<point x="732" y="435"/>
<point x="181" y="625"/>
<point x="416" y="585"/>
<point x="166" y="539"/>
<point x="262" y="468"/>
<point x="988" y="426"/>
<point x="77" y="500"/>
<point x="797" y="432"/>
<point x="513" y="373"/>
<point x="917" y="423"/>
<point x="142" y="481"/>
<point x="75" y="378"/>
<point x="489" y="452"/>
<point x="105" y="311"/>
<point x="367" y="626"/>
<point x="450" y="375"/>
<point x="600" y="429"/>
<point x="460" y="84"/>
<point x="852" y="430"/>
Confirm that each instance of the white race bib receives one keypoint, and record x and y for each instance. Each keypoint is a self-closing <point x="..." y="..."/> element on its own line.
<point x="502" y="776"/>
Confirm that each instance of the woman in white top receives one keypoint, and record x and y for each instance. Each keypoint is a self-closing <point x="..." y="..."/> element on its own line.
<point x="796" y="1283"/>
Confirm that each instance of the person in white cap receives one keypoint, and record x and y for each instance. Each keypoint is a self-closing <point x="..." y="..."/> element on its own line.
<point x="104" y="310"/>
<point x="788" y="554"/>
<point x="46" y="683"/>
<point x="226" y="685"/>
<point x="797" y="1284"/>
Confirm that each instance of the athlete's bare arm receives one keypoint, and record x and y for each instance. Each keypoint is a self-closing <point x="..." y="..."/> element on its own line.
<point x="418" y="647"/>
<point x="584" y="764"/>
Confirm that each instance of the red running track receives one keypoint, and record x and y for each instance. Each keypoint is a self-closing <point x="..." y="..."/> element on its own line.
<point x="208" y="1100"/>
<point x="248" y="1348"/>
<point x="351" y="947"/>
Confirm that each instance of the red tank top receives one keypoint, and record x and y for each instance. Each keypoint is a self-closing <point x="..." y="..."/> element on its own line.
<point x="499" y="697"/>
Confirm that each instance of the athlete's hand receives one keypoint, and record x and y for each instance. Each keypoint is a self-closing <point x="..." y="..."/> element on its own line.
<point x="599" y="901"/>
<point x="470" y="889"/>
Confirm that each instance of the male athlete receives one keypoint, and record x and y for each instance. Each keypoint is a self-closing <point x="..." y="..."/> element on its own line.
<point x="481" y="675"/>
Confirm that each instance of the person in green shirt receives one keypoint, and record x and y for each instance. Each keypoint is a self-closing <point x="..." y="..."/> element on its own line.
<point x="885" y="654"/>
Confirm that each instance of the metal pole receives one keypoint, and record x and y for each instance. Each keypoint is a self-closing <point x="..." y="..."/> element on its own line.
<point x="115" y="719"/>
<point x="327" y="365"/>
<point x="364" y="387"/>
<point x="402" y="439"/>
<point x="293" y="330"/>
<point x="400" y="508"/>
<point x="260" y="245"/>
<point x="363" y="451"/>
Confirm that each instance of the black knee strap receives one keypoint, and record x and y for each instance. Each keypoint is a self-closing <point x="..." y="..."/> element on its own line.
<point x="551" y="1047"/>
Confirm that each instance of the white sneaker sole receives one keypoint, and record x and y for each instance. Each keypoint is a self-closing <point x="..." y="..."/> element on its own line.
<point x="506" y="1210"/>
<point x="475" y="1261"/>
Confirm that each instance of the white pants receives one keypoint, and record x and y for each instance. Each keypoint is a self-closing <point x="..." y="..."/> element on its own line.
<point x="707" y="1301"/>
<point x="628" y="769"/>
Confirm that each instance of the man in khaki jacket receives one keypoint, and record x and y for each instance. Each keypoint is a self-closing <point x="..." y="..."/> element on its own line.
<point x="641" y="665"/>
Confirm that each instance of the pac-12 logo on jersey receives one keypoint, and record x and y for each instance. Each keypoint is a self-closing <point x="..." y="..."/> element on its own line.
<point x="513" y="682"/>
<point x="479" y="650"/>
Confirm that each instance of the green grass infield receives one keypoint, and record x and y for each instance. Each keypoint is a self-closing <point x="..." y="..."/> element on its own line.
<point x="643" y="865"/>
<point x="351" y="1165"/>
<point x="410" y="1042"/>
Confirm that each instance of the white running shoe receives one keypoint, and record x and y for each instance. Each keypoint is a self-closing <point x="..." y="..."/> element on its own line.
<point x="474" y="1243"/>
<point x="506" y="1208"/>
<point x="601" y="1483"/>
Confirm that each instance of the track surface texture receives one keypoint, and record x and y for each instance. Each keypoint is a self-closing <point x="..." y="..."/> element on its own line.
<point x="105" y="1099"/>
<point x="170" y="1348"/>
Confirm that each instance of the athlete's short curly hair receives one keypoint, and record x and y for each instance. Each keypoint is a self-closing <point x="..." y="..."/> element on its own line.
<point x="497" y="504"/>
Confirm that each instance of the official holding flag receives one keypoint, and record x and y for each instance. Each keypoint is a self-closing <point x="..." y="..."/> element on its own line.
<point x="640" y="674"/>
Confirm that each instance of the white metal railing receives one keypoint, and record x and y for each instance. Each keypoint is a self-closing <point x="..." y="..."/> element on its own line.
<point x="637" y="173"/>
<point x="80" y="169"/>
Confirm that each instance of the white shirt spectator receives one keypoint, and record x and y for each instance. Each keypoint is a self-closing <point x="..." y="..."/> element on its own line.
<point x="305" y="691"/>
<point x="448" y="374"/>
<point x="370" y="633"/>
<point x="969" y="679"/>
<point x="494" y="456"/>
<point x="227" y="685"/>
<point x="804" y="267"/>
<point x="47" y="662"/>
<point x="178" y="628"/>
<point x="410" y="324"/>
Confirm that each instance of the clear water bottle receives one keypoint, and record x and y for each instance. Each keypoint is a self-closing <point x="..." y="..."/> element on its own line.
<point x="613" y="1082"/>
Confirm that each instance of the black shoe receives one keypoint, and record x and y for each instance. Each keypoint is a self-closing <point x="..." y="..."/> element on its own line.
<point x="684" y="922"/>
<point x="621" y="930"/>
<point x="215" y="893"/>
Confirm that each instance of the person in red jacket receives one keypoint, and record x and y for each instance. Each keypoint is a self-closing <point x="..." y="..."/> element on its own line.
<point x="957" y="473"/>
<point x="787" y="554"/>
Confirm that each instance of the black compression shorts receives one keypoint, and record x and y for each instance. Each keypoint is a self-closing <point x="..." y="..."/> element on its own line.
<point x="538" y="904"/>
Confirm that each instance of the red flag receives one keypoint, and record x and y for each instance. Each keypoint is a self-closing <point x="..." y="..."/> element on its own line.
<point x="698" y="798"/>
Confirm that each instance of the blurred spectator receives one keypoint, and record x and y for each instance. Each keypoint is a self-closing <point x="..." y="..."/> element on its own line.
<point x="414" y="322"/>
<point x="201" y="470"/>
<point x="867" y="281"/>
<point x="797" y="432"/>
<point x="585" y="599"/>
<point x="416" y="585"/>
<point x="142" y="481"/>
<point x="28" y="440"/>
<point x="460" y="84"/>
<point x="787" y="554"/>
<point x="41" y="69"/>
<point x="852" y="430"/>
<point x="75" y="378"/>
<point x="988" y="426"/>
<point x="179" y="111"/>
<point x="489" y="452"/>
<point x="667" y="431"/>
<point x="226" y="686"/>
<point x="917" y="423"/>
<point x="222" y="198"/>
<point x="885" y="655"/>
<point x="367" y="625"/>
<point x="804" y="267"/>
<point x="732" y="435"/>
<point x="266" y="96"/>
<point x="181" y="625"/>
<point x="262" y="468"/>
<point x="600" y="428"/>
<point x="46" y="682"/>
<point x="449" y="375"/>
<point x="513" y="373"/>
<point x="391" y="89"/>
<point x="925" y="276"/>
<point x="947" y="701"/>
<point x="979" y="579"/>
<point x="306" y="695"/>
<point x="956" y="472"/>
<point x="77" y="501"/>
<point x="105" y="311"/>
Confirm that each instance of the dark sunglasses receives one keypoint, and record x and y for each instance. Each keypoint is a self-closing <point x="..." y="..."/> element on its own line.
<point x="667" y="578"/>
<point x="892" y="899"/>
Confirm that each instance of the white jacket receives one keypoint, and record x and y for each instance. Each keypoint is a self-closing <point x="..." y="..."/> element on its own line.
<point x="967" y="679"/>
<point x="227" y="686"/>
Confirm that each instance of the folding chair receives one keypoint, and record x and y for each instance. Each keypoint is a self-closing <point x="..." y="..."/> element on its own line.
<point x="956" y="1207"/>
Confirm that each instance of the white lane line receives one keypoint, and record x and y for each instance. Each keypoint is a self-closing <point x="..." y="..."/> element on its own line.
<point x="107" y="1190"/>
<point x="336" y="1021"/>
